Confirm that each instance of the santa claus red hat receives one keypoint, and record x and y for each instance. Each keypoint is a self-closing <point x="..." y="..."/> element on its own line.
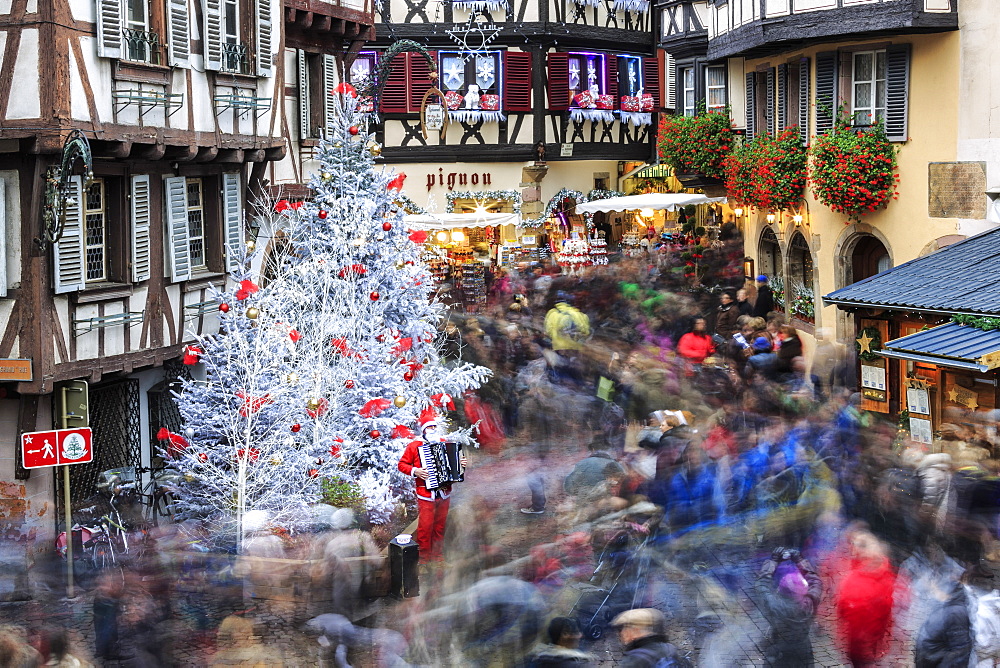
<point x="428" y="418"/>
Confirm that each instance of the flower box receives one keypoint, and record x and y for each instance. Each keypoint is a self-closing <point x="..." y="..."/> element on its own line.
<point x="489" y="102"/>
<point x="453" y="99"/>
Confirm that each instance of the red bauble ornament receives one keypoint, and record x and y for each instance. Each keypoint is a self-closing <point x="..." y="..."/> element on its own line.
<point x="386" y="226"/>
<point x="202" y="457"/>
<point x="349" y="384"/>
<point x="354" y="129"/>
<point x="313" y="473"/>
<point x="374" y="433"/>
<point x="224" y="307"/>
<point x="296" y="427"/>
<point x="374" y="296"/>
<point x="409" y="263"/>
<point x="322" y="213"/>
<point x="408" y="375"/>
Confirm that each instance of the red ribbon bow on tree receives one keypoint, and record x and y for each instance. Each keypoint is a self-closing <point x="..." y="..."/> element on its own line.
<point x="252" y="404"/>
<point x="403" y="346"/>
<point x="396" y="183"/>
<point x="281" y="205"/>
<point x="355" y="269"/>
<point x="346" y="89"/>
<point x="247" y="288"/>
<point x="192" y="355"/>
<point x="251" y="454"/>
<point x="418" y="236"/>
<point x="335" y="448"/>
<point x="443" y="400"/>
<point x="340" y="345"/>
<point x="176" y="444"/>
<point x="374" y="408"/>
<point x="402" y="431"/>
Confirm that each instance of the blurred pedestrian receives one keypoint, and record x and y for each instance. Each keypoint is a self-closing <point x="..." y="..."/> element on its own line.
<point x="643" y="635"/>
<point x="743" y="304"/>
<point x="563" y="647"/>
<point x="726" y="316"/>
<point x="789" y="590"/>
<point x="864" y="599"/>
<point x="945" y="640"/>
<point x="696" y="345"/>
<point x="765" y="298"/>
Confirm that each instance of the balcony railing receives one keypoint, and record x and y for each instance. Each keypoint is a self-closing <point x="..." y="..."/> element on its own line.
<point x="235" y="58"/>
<point x="142" y="46"/>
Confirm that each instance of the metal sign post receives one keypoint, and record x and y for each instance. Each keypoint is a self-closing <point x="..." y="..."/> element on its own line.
<point x="70" y="393"/>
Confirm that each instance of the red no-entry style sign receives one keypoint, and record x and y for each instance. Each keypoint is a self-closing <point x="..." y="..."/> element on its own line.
<point x="40" y="449"/>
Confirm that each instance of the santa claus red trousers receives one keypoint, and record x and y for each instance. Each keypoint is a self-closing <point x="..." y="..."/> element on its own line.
<point x="430" y="526"/>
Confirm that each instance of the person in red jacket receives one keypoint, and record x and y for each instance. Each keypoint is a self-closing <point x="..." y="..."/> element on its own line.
<point x="696" y="345"/>
<point x="432" y="504"/>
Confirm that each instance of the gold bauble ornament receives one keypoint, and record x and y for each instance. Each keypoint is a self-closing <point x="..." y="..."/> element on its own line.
<point x="399" y="402"/>
<point x="375" y="149"/>
<point x="253" y="312"/>
<point x="312" y="404"/>
<point x="276" y="461"/>
<point x="292" y="378"/>
<point x="189" y="477"/>
<point x="251" y="246"/>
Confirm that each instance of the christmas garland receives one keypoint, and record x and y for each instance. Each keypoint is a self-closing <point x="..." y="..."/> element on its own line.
<point x="700" y="143"/>
<point x="854" y="171"/>
<point x="511" y="195"/>
<point x="372" y="86"/>
<point x="408" y="205"/>
<point x="876" y="344"/>
<point x="768" y="172"/>
<point x="983" y="322"/>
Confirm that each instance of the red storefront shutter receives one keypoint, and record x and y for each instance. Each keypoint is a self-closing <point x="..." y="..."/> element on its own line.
<point x="558" y="85"/>
<point x="517" y="81"/>
<point x="651" y="81"/>
<point x="612" y="66"/>
<point x="394" y="92"/>
<point x="420" y="80"/>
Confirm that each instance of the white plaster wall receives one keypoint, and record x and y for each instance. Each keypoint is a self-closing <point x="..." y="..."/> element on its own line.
<point x="12" y="231"/>
<point x="83" y="10"/>
<point x="24" y="102"/>
<point x="77" y="96"/>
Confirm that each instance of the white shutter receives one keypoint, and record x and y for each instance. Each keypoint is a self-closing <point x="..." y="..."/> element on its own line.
<point x="178" y="33"/>
<point x="211" y="36"/>
<point x="303" y="66"/>
<point x="3" y="239"/>
<point x="140" y="228"/>
<point x="265" y="59"/>
<point x="232" y="214"/>
<point x="670" y="82"/>
<point x="175" y="216"/>
<point x="109" y="28"/>
<point x="329" y="83"/>
<point x="68" y="254"/>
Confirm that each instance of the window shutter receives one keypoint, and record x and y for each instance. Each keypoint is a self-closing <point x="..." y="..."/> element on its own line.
<point x="175" y="202"/>
<point x="232" y="214"/>
<point x="69" y="259"/>
<point x="558" y="83"/>
<point x="804" y="101"/>
<point x="826" y="91"/>
<point x="781" y="113"/>
<point x="265" y="59"/>
<point x="517" y="81"/>
<point x="394" y="92"/>
<point x="751" y="105"/>
<point x="612" y="69"/>
<point x="178" y="33"/>
<point x="3" y="239"/>
<point x="651" y="80"/>
<point x="109" y="28"/>
<point x="897" y="91"/>
<point x="420" y="79"/>
<point x="769" y="101"/>
<point x="329" y="97"/>
<point x="211" y="36"/>
<point x="305" y="126"/>
<point x="670" y="81"/>
<point x="140" y="228"/>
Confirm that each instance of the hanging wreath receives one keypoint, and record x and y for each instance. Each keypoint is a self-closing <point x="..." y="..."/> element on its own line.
<point x="868" y="343"/>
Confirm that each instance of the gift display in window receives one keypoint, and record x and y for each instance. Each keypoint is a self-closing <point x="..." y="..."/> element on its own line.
<point x="636" y="109"/>
<point x="471" y="85"/>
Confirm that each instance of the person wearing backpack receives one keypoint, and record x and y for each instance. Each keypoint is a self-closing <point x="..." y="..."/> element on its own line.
<point x="642" y="632"/>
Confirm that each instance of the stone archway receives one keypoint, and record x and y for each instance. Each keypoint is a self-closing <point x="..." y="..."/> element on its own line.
<point x="865" y="245"/>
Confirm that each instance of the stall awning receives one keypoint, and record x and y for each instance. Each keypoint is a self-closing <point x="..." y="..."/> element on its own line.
<point x="655" y="201"/>
<point x="452" y="221"/>
<point x="952" y="345"/>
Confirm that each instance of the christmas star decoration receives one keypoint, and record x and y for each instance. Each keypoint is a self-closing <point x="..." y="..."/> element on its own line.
<point x="474" y="36"/>
<point x="953" y="395"/>
<point x="865" y="342"/>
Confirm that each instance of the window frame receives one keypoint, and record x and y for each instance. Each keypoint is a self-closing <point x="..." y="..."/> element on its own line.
<point x="709" y="88"/>
<point x="624" y="89"/>
<point x="371" y="57"/>
<point x="204" y="237"/>
<point x="471" y="63"/>
<point x="102" y="212"/>
<point x="683" y="73"/>
<point x="873" y="112"/>
<point x="582" y="58"/>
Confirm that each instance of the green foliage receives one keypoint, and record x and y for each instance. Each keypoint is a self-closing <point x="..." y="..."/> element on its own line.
<point x="983" y="322"/>
<point x="341" y="494"/>
<point x="700" y="143"/>
<point x="875" y="345"/>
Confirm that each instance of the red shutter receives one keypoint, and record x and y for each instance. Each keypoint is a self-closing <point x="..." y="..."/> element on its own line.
<point x="558" y="66"/>
<point x="651" y="80"/>
<point x="394" y="92"/>
<point x="612" y="67"/>
<point x="420" y="81"/>
<point x="517" y="81"/>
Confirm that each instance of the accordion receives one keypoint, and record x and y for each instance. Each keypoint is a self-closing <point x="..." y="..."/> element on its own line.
<point x="443" y="463"/>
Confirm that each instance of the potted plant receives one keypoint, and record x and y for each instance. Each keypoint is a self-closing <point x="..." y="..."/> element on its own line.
<point x="768" y="173"/>
<point x="696" y="146"/>
<point x="854" y="169"/>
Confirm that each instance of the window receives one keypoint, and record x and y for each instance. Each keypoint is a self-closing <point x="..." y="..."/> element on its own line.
<point x="196" y="223"/>
<point x="230" y="21"/>
<point x="461" y="71"/>
<point x="868" y="82"/>
<point x="586" y="72"/>
<point x="141" y="43"/>
<point x="630" y="79"/>
<point x="95" y="232"/>
<point x="362" y="68"/>
<point x="317" y="80"/>
<point x="688" y="95"/>
<point x="715" y="88"/>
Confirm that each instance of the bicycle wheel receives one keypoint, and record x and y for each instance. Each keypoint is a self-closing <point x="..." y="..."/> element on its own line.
<point x="101" y="555"/>
<point x="162" y="507"/>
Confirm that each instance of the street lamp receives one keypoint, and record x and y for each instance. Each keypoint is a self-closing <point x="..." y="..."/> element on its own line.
<point x="748" y="267"/>
<point x="738" y="211"/>
<point x="797" y="219"/>
<point x="771" y="218"/>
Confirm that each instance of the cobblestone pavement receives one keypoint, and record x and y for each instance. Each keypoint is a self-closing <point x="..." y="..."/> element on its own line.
<point x="712" y="634"/>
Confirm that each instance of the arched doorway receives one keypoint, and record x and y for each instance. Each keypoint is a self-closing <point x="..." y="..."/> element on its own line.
<point x="800" y="279"/>
<point x="769" y="254"/>
<point x="869" y="257"/>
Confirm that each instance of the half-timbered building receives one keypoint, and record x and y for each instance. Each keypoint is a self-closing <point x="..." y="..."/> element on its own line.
<point x="107" y="284"/>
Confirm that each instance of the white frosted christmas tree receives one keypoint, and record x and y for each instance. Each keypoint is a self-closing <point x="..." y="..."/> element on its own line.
<point x="322" y="372"/>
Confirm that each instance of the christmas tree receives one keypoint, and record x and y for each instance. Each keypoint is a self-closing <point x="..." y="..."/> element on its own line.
<point x="322" y="372"/>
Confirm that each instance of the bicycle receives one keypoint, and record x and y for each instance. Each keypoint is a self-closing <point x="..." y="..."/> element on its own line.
<point x="156" y="496"/>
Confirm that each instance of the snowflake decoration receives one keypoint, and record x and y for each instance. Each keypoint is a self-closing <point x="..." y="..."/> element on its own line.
<point x="633" y="82"/>
<point x="485" y="71"/>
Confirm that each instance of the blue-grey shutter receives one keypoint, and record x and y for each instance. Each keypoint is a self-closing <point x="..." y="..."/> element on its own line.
<point x="3" y="239"/>
<point x="669" y="82"/>
<point x="329" y="97"/>
<point x="305" y="127"/>
<point x="804" y="100"/>
<point x="769" y="109"/>
<point x="140" y="227"/>
<point x="178" y="33"/>
<point x="265" y="57"/>
<point x="109" y="28"/>
<point x="897" y="91"/>
<point x="211" y="34"/>
<point x="782" y="93"/>
<point x="751" y="104"/>
<point x="232" y="214"/>
<point x="826" y="91"/>
<point x="69" y="261"/>
<point x="176" y="223"/>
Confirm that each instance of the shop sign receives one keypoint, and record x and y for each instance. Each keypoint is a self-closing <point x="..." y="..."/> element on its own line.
<point x="565" y="150"/>
<point x="462" y="179"/>
<point x="920" y="430"/>
<point x="873" y="395"/>
<point x="19" y="370"/>
<point x="963" y="397"/>
<point x="434" y="117"/>
<point x="528" y="240"/>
